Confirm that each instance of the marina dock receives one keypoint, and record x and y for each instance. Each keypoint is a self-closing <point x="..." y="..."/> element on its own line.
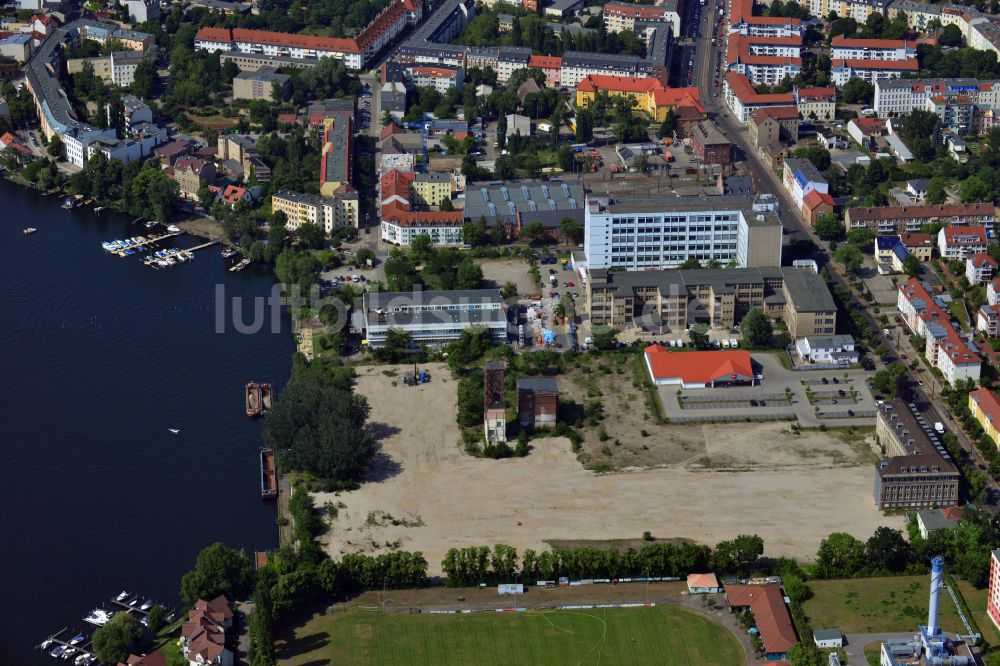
<point x="136" y="243"/>
<point x="155" y="261"/>
<point x="60" y="642"/>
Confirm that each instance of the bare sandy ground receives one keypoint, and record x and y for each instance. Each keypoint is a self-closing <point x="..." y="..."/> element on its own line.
<point x="444" y="498"/>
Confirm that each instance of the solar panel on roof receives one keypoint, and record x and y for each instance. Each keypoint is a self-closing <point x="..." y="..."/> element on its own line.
<point x="526" y="193"/>
<point x="545" y="191"/>
<point x="505" y="193"/>
<point x="565" y="189"/>
<point x="513" y="208"/>
<point x="533" y="206"/>
<point x="572" y="203"/>
<point x="486" y="193"/>
<point x="493" y="209"/>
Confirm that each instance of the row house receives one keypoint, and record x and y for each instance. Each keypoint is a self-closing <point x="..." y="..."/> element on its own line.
<point x="927" y="316"/>
<point x="845" y="48"/>
<point x="871" y="70"/>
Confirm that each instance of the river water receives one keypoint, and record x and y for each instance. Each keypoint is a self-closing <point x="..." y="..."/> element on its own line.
<point x="101" y="357"/>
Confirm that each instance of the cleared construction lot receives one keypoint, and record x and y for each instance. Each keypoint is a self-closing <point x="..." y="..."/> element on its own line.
<point x="712" y="482"/>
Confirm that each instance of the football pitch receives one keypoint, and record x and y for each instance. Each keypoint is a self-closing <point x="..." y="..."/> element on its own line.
<point x="664" y="635"/>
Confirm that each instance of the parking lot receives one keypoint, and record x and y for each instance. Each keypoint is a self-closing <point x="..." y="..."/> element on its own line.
<point x="844" y="399"/>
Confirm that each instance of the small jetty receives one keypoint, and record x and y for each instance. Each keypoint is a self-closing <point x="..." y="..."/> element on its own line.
<point x="167" y="258"/>
<point x="268" y="475"/>
<point x="127" y="247"/>
<point x="69" y="645"/>
<point x="240" y="266"/>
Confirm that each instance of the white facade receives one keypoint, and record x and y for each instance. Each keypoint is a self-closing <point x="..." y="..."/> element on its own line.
<point x="978" y="269"/>
<point x="404" y="234"/>
<point x="900" y="97"/>
<point x="827" y="350"/>
<point x="669" y="237"/>
<point x="434" y="317"/>
<point x="844" y="71"/>
<point x="872" y="49"/>
<point x="329" y="213"/>
<point x="957" y="244"/>
<point x="768" y="74"/>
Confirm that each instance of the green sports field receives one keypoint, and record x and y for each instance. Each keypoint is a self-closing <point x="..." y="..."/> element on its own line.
<point x="663" y="635"/>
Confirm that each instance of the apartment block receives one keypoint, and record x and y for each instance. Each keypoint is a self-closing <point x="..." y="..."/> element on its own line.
<point x="960" y="242"/>
<point x="620" y="16"/>
<point x="917" y="472"/>
<point x="432" y="318"/>
<point x="666" y="231"/>
<point x="886" y="220"/>
<point x="845" y="69"/>
<point x="328" y="213"/>
<point x="675" y="299"/>
<point x="985" y="408"/>
<point x="743" y="100"/>
<point x="944" y="348"/>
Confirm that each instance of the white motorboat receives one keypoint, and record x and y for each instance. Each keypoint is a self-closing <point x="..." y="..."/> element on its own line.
<point x="29" y="231"/>
<point x="146" y="605"/>
<point x="122" y="597"/>
<point x="45" y="644"/>
<point x="99" y="617"/>
<point x="174" y="229"/>
<point x="68" y="653"/>
<point x="81" y="660"/>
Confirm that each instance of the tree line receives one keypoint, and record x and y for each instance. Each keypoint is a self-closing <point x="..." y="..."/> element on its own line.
<point x="501" y="564"/>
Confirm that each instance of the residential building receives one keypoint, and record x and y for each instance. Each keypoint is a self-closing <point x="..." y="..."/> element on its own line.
<point x="815" y="205"/>
<point x="979" y="268"/>
<point x="515" y="204"/>
<point x="710" y="145"/>
<point x="429" y="189"/>
<point x="743" y="100"/>
<point x="816" y="103"/>
<point x="328" y="213"/>
<point x="929" y="318"/>
<point x="954" y="112"/>
<point x="16" y="46"/>
<point x="800" y="178"/>
<point x="392" y="98"/>
<point x="203" y="635"/>
<point x="827" y="350"/>
<point x="699" y="369"/>
<point x="929" y="521"/>
<point x="764" y="60"/>
<point x="432" y="318"/>
<point x="439" y="77"/>
<point x="576" y="66"/>
<point x="845" y="48"/>
<point x="265" y="83"/>
<point x="154" y="658"/>
<point x="706" y="583"/>
<point x="666" y="231"/>
<point x="337" y="159"/>
<point x="890" y="254"/>
<point x="902" y="96"/>
<point x="191" y="174"/>
<point x="648" y="94"/>
<point x="897" y="219"/>
<point x="355" y="52"/>
<point x="242" y="149"/>
<point x="402" y="223"/>
<point x="551" y="66"/>
<point x="140" y="11"/>
<point x="985" y="408"/>
<point x="993" y="589"/>
<point x="843" y="70"/>
<point x="562" y="8"/>
<point x="620" y="16"/>
<point x="675" y="299"/>
<point x="537" y="402"/>
<point x="988" y="320"/>
<point x="118" y="68"/>
<point x="784" y="128"/>
<point x="865" y="131"/>
<point x="917" y="188"/>
<point x="742" y="20"/>
<point x="917" y="471"/>
<point x="993" y="292"/>
<point x="771" y="617"/>
<point x="859" y="10"/>
<point x="960" y="242"/>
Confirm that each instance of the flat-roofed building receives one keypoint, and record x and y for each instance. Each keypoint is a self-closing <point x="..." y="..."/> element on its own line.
<point x="265" y="83"/>
<point x="514" y="204"/>
<point x="917" y="471"/>
<point x="328" y="213"/>
<point x="537" y="401"/>
<point x="720" y="298"/>
<point x="710" y="145"/>
<point x="620" y="16"/>
<point x="665" y="231"/>
<point x="432" y="318"/>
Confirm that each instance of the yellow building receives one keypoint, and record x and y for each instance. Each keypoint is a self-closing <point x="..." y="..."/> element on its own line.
<point x="430" y="188"/>
<point x="647" y="94"/>
<point x="985" y="408"/>
<point x="328" y="213"/>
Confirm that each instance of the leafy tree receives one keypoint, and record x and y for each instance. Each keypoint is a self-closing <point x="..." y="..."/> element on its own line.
<point x="858" y="91"/>
<point x="311" y="235"/>
<point x="756" y="328"/>
<point x="862" y="237"/>
<point x="469" y="276"/>
<point x="820" y="157"/>
<point x="886" y="551"/>
<point x="840" y="555"/>
<point x="911" y="266"/>
<point x="55" y="147"/>
<point x="690" y="263"/>
<point x="318" y="426"/>
<point x="828" y="227"/>
<point x="950" y="36"/>
<point x="805" y="653"/>
<point x="570" y="228"/>
<point x="975" y="189"/>
<point x="155" y="617"/>
<point x="936" y="192"/>
<point x="470" y="398"/>
<point x="218" y="570"/>
<point x="605" y="337"/>
<point x="795" y="588"/>
<point x="115" y="640"/>
<point x="699" y="340"/>
<point x="534" y="231"/>
<point x="508" y="291"/>
<point x="584" y="125"/>
<point x="850" y="256"/>
<point x="261" y="630"/>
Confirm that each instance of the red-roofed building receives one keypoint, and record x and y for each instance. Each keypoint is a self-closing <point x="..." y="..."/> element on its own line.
<point x="233" y="194"/>
<point x="699" y="369"/>
<point x="620" y="16"/>
<point x="845" y="48"/>
<point x="650" y="94"/>
<point x="203" y="636"/>
<point x="815" y="205"/>
<point x="9" y="141"/>
<point x="742" y="20"/>
<point x="926" y="316"/>
<point x="156" y="658"/>
<point x="401" y="223"/>
<point x="706" y="583"/>
<point x="743" y="100"/>
<point x="985" y="408"/>
<point x="764" y="60"/>
<point x="816" y="103"/>
<point x="774" y="624"/>
<point x="961" y="241"/>
<point x="979" y="268"/>
<point x="551" y="66"/>
<point x="843" y="70"/>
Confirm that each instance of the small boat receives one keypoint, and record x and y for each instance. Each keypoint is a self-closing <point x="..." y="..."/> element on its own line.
<point x="57" y="651"/>
<point x="109" y="246"/>
<point x="68" y="653"/>
<point x="229" y="251"/>
<point x="129" y="252"/>
<point x="122" y="597"/>
<point x="79" y="638"/>
<point x="99" y="617"/>
<point x="151" y="224"/>
<point x="67" y="204"/>
<point x="268" y="475"/>
<point x="148" y="603"/>
<point x="173" y="430"/>
<point x="29" y="231"/>
<point x="134" y="602"/>
<point x="98" y="209"/>
<point x="46" y="644"/>
<point x="162" y="263"/>
<point x="174" y="229"/>
<point x="170" y="261"/>
<point x="253" y="399"/>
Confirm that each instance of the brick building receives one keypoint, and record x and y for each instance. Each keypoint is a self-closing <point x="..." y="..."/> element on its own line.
<point x="537" y="401"/>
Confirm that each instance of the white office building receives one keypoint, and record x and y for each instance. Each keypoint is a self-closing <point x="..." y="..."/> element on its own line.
<point x="432" y="318"/>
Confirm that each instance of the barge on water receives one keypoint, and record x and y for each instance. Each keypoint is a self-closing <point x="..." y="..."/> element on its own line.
<point x="259" y="398"/>
<point x="268" y="475"/>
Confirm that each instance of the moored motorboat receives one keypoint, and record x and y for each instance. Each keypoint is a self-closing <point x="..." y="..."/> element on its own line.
<point x="174" y="229"/>
<point x="79" y="638"/>
<point x="122" y="596"/>
<point x="146" y="605"/>
<point x="29" y="231"/>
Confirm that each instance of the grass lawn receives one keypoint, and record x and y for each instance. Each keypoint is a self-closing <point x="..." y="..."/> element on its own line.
<point x="661" y="635"/>
<point x="957" y="308"/>
<point x="874" y="605"/>
<point x="975" y="599"/>
<point x="219" y="122"/>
